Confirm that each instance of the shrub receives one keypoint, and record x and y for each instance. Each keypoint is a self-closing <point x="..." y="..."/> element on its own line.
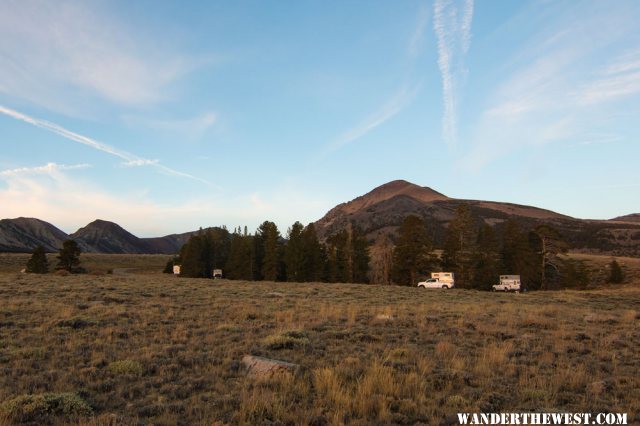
<point x="36" y="408"/>
<point x="286" y="340"/>
<point x="616" y="275"/>
<point x="126" y="367"/>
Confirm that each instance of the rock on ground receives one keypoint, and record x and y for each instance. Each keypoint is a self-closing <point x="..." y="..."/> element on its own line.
<point x="260" y="367"/>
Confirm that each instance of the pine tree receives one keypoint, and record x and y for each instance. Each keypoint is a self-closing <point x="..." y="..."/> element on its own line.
<point x="573" y="274"/>
<point x="312" y="254"/>
<point x="382" y="260"/>
<point x="270" y="248"/>
<point x="550" y="245"/>
<point x="460" y="246"/>
<point x="340" y="257"/>
<point x="294" y="254"/>
<point x="330" y="274"/>
<point x="518" y="255"/>
<point x="38" y="263"/>
<point x="360" y="256"/>
<point x="168" y="267"/>
<point x="240" y="263"/>
<point x="486" y="259"/>
<point x="194" y="256"/>
<point x="69" y="257"/>
<point x="412" y="256"/>
<point x="616" y="274"/>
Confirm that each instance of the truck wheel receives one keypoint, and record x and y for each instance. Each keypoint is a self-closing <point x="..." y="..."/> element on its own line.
<point x="445" y="287"/>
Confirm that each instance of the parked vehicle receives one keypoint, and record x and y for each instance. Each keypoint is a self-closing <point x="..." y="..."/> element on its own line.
<point x="439" y="280"/>
<point x="217" y="274"/>
<point x="508" y="283"/>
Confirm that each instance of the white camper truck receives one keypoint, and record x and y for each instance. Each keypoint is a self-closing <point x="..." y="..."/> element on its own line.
<point x="439" y="280"/>
<point x="176" y="269"/>
<point x="217" y="274"/>
<point x="508" y="283"/>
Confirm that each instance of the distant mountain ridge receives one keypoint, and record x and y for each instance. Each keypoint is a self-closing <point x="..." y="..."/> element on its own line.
<point x="635" y="217"/>
<point x="108" y="237"/>
<point x="381" y="211"/>
<point x="23" y="234"/>
<point x="378" y="213"/>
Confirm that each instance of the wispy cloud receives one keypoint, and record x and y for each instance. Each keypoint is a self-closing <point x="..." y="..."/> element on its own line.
<point x="452" y="26"/>
<point x="193" y="127"/>
<point x="561" y="88"/>
<point x="619" y="79"/>
<point x="599" y="139"/>
<point x="48" y="169"/>
<point x="394" y="105"/>
<point x="399" y="100"/>
<point x="130" y="159"/>
<point x="70" y="202"/>
<point x="141" y="162"/>
<point x="416" y="40"/>
<point x="64" y="54"/>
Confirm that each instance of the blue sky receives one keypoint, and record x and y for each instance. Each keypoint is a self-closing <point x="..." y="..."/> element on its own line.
<point x="167" y="116"/>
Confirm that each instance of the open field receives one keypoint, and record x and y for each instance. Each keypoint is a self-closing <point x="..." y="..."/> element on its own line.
<point x="94" y="262"/>
<point x="155" y="349"/>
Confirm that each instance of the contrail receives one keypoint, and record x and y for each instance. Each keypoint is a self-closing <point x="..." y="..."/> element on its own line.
<point x="453" y="37"/>
<point x="130" y="159"/>
<point x="393" y="106"/>
<point x="465" y="28"/>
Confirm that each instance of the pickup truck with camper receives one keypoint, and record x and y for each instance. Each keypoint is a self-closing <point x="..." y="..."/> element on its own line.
<point x="508" y="283"/>
<point x="444" y="280"/>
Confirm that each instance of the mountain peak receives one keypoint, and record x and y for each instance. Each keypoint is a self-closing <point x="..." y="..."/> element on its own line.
<point x="402" y="187"/>
<point x="108" y="237"/>
<point x="390" y="190"/>
<point x="101" y="224"/>
<point x="633" y="218"/>
<point x="23" y="234"/>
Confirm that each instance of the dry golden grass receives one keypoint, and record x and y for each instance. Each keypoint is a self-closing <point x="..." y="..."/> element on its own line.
<point x="95" y="263"/>
<point x="153" y="348"/>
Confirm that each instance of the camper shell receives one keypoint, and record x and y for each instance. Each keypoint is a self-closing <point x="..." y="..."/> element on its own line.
<point x="508" y="283"/>
<point x="444" y="280"/>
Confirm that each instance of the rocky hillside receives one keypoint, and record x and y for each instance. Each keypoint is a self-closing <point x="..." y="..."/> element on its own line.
<point x="24" y="234"/>
<point x="380" y="212"/>
<point x="169" y="244"/>
<point x="635" y="218"/>
<point x="101" y="236"/>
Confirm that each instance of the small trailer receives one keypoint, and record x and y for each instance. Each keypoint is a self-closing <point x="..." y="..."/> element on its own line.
<point x="508" y="283"/>
<point x="444" y="280"/>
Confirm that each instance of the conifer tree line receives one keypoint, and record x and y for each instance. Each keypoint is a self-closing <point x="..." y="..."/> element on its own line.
<point x="478" y="255"/>
<point x="268" y="255"/>
<point x="476" y="252"/>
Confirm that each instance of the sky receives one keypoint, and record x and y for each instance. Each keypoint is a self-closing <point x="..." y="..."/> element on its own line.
<point x="166" y="116"/>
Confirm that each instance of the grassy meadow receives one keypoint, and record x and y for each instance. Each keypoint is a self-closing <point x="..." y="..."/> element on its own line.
<point x="140" y="347"/>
